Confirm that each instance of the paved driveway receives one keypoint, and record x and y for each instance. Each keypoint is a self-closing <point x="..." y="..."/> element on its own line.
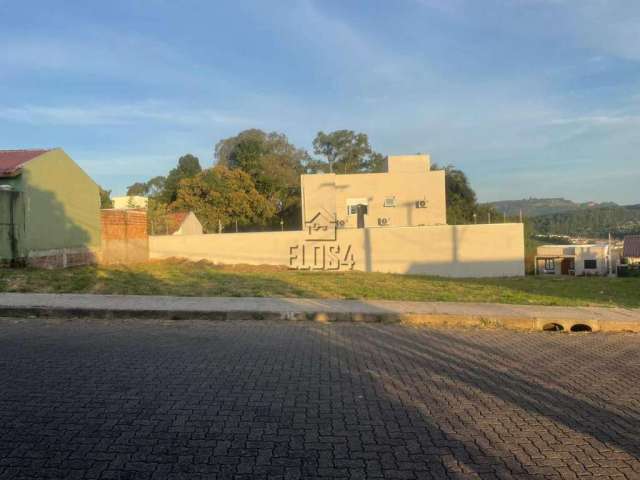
<point x="144" y="399"/>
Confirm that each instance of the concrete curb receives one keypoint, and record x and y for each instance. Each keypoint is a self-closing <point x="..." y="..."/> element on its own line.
<point x="466" y="320"/>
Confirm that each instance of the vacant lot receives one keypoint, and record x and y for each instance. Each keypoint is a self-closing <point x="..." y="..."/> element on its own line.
<point x="205" y="279"/>
<point x="257" y="400"/>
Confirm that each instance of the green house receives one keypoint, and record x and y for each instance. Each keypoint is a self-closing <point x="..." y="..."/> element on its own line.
<point x="49" y="210"/>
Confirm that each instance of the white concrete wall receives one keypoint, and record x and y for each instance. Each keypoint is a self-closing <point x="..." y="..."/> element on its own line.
<point x="453" y="251"/>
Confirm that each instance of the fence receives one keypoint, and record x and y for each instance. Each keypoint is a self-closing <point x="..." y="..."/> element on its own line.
<point x="454" y="251"/>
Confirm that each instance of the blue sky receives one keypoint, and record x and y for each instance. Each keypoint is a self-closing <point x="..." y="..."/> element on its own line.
<point x="529" y="97"/>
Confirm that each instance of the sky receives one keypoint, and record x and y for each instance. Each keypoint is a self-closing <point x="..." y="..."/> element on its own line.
<point x="530" y="98"/>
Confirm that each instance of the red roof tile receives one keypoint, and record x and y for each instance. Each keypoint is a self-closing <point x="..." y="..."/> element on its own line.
<point x="174" y="221"/>
<point x="11" y="160"/>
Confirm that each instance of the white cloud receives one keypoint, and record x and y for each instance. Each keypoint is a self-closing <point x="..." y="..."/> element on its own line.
<point x="118" y="115"/>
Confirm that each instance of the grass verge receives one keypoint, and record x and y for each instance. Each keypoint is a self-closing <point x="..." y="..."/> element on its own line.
<point x="184" y="278"/>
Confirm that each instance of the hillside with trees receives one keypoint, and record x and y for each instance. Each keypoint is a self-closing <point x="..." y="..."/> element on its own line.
<point x="593" y="222"/>
<point x="533" y="207"/>
<point x="558" y="216"/>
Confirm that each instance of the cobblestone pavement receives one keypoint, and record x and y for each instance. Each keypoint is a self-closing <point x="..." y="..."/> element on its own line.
<point x="189" y="399"/>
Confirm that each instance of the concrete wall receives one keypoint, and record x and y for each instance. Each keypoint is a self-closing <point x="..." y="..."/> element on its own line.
<point x="408" y="163"/>
<point x="62" y="204"/>
<point x="408" y="181"/>
<point x="455" y="251"/>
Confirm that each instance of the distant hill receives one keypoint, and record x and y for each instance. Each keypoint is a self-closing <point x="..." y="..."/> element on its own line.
<point x="590" y="222"/>
<point x="533" y="207"/>
<point x="558" y="216"/>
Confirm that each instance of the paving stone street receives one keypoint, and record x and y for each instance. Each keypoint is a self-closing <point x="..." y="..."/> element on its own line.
<point x="147" y="399"/>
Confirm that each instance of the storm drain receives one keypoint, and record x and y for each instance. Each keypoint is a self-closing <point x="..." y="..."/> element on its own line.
<point x="553" y="327"/>
<point x="581" y="327"/>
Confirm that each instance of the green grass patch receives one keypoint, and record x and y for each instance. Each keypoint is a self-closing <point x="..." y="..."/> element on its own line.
<point x="183" y="278"/>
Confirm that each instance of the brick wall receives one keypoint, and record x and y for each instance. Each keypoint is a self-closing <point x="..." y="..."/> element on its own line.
<point x="125" y="238"/>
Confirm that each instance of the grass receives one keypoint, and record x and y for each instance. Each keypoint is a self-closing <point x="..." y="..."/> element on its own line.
<point x="175" y="277"/>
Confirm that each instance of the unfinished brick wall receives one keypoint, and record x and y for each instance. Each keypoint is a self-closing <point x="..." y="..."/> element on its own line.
<point x="125" y="238"/>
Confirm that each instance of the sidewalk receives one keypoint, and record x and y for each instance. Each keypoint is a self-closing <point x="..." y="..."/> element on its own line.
<point x="227" y="308"/>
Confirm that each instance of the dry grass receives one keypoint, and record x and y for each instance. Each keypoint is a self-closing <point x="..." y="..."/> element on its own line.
<point x="176" y="277"/>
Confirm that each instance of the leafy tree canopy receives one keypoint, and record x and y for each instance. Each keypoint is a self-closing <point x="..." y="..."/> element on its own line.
<point x="224" y="195"/>
<point x="153" y="188"/>
<point x="345" y="152"/>
<point x="188" y="167"/>
<point x="461" y="199"/>
<point x="272" y="162"/>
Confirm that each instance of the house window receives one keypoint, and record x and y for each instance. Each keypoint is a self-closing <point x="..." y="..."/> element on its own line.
<point x="549" y="264"/>
<point x="353" y="209"/>
<point x="590" y="264"/>
<point x="390" y="201"/>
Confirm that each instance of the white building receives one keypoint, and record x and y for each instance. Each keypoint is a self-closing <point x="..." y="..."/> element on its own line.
<point x="594" y="259"/>
<point x="130" y="201"/>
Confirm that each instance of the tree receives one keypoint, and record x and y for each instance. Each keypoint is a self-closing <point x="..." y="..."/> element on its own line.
<point x="220" y="195"/>
<point x="105" y="198"/>
<point x="138" y="189"/>
<point x="157" y="217"/>
<point x="346" y="152"/>
<point x="274" y="165"/>
<point x="461" y="199"/>
<point x="151" y="189"/>
<point x="188" y="167"/>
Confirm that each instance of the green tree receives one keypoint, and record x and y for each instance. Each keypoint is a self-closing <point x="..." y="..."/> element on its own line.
<point x="346" y="152"/>
<point x="224" y="195"/>
<point x="138" y="189"/>
<point x="188" y="167"/>
<point x="105" y="198"/>
<point x="274" y="165"/>
<point x="157" y="217"/>
<point x="461" y="199"/>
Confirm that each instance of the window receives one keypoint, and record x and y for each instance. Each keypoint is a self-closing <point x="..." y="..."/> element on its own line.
<point x="590" y="264"/>
<point x="390" y="201"/>
<point x="353" y="209"/>
<point x="549" y="264"/>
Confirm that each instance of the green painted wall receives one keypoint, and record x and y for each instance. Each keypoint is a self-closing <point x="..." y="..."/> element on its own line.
<point x="62" y="204"/>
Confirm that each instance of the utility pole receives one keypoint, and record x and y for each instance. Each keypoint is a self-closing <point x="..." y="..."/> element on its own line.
<point x="489" y="216"/>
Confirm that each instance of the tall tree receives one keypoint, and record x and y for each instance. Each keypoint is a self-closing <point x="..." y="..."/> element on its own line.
<point x="461" y="199"/>
<point x="138" y="189"/>
<point x="188" y="167"/>
<point x="274" y="165"/>
<point x="220" y="195"/>
<point x="346" y="152"/>
<point x="152" y="188"/>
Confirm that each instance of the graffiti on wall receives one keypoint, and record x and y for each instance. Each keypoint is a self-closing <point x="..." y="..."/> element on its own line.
<point x="320" y="249"/>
